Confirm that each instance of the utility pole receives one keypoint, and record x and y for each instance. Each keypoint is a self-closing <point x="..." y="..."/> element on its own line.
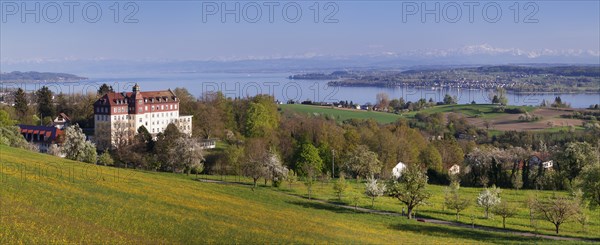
<point x="332" y="163"/>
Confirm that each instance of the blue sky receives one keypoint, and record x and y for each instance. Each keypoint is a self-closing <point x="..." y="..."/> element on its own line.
<point x="175" y="30"/>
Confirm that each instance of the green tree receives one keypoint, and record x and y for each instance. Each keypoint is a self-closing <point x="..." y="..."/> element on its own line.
<point x="233" y="155"/>
<point x="590" y="184"/>
<point x="340" y="186"/>
<point x="260" y="122"/>
<point x="410" y="189"/>
<point x="105" y="89"/>
<point x="21" y="105"/>
<point x="309" y="164"/>
<point x="431" y="158"/>
<point x="364" y="162"/>
<point x="291" y="178"/>
<point x="45" y="106"/>
<point x="5" y="120"/>
<point x="449" y="100"/>
<point x="450" y="151"/>
<point x="517" y="180"/>
<point x="90" y="154"/>
<point x="105" y="159"/>
<point x="575" y="157"/>
<point x="62" y="104"/>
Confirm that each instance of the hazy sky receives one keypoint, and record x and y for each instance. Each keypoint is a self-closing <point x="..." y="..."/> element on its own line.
<point x="184" y="30"/>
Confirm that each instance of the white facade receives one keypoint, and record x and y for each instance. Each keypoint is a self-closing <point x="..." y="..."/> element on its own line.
<point x="118" y="116"/>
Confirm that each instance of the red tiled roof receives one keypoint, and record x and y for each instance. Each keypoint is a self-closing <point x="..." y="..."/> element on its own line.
<point x="112" y="98"/>
<point x="49" y="133"/>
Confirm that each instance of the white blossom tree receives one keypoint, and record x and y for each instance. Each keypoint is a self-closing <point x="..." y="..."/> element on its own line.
<point x="189" y="154"/>
<point x="275" y="169"/>
<point x="76" y="147"/>
<point x="374" y="189"/>
<point x="489" y="198"/>
<point x="54" y="150"/>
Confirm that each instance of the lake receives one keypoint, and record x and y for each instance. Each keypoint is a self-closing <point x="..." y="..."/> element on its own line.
<point x="277" y="84"/>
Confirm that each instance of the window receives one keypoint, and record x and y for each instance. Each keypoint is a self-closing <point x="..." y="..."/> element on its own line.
<point x="171" y="107"/>
<point x="175" y="106"/>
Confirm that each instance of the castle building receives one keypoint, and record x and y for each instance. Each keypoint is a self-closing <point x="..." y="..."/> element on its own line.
<point x="118" y="116"/>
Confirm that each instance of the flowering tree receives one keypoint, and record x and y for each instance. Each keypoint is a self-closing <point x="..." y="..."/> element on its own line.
<point x="76" y="147"/>
<point x="275" y="169"/>
<point x="374" y="189"/>
<point x="188" y="152"/>
<point x="410" y="189"/>
<point x="489" y="198"/>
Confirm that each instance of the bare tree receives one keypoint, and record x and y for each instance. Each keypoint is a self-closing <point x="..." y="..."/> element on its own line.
<point x="255" y="156"/>
<point x="557" y="210"/>
<point x="504" y="210"/>
<point x="454" y="201"/>
<point x="383" y="100"/>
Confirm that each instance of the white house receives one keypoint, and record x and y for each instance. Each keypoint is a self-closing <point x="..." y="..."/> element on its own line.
<point x="397" y="171"/>
<point x="548" y="164"/>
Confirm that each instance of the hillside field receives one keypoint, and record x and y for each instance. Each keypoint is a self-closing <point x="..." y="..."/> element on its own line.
<point x="476" y="114"/>
<point x="45" y="199"/>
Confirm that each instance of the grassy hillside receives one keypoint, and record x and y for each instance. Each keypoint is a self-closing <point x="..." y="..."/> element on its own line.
<point x="482" y="111"/>
<point x="44" y="199"/>
<point x="341" y="114"/>
<point x="435" y="208"/>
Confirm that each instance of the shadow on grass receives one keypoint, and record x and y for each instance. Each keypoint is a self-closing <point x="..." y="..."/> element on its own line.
<point x="322" y="206"/>
<point x="474" y="234"/>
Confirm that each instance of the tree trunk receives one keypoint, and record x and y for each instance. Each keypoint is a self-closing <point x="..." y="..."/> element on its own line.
<point x="557" y="225"/>
<point x="409" y="212"/>
<point x="504" y="222"/>
<point x="372" y="202"/>
<point x="487" y="213"/>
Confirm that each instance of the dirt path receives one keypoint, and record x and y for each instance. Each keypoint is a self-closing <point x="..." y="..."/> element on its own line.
<point x="426" y="220"/>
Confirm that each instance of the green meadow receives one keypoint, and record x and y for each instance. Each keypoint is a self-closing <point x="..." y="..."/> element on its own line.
<point x="46" y="200"/>
<point x="435" y="209"/>
<point x="482" y="111"/>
